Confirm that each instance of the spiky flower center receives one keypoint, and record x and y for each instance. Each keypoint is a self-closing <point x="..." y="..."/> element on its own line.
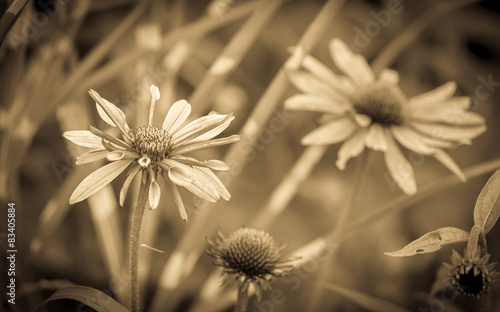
<point x="152" y="142"/>
<point x="251" y="252"/>
<point x="470" y="284"/>
<point x="382" y="102"/>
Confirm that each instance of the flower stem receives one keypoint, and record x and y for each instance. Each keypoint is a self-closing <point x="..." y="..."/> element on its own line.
<point x="135" y="238"/>
<point x="242" y="300"/>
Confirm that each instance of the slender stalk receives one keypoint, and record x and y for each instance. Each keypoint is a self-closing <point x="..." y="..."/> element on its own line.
<point x="135" y="239"/>
<point x="242" y="299"/>
<point x="360" y="177"/>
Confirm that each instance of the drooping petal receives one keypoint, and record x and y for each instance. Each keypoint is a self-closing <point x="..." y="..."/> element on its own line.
<point x="399" y="168"/>
<point x="333" y="132"/>
<point x="446" y="160"/>
<point x="204" y="189"/>
<point x="340" y="84"/>
<point x="108" y="137"/>
<point x="84" y="138"/>
<point x="212" y="133"/>
<point x="413" y="140"/>
<point x="352" y="64"/>
<point x="433" y="97"/>
<point x="218" y="165"/>
<point x="178" y="201"/>
<point x="311" y="84"/>
<point x="91" y="156"/>
<point x="98" y="179"/>
<point x="190" y="147"/>
<point x="176" y="116"/>
<point x="447" y="132"/>
<point x="452" y="112"/>
<point x="376" y="138"/>
<point x="118" y="155"/>
<point x="154" y="194"/>
<point x="352" y="147"/>
<point x="389" y="76"/>
<point x="315" y="103"/>
<point x="130" y="177"/>
<point x="180" y="176"/>
<point x="221" y="189"/>
<point x="198" y="127"/>
<point x="362" y="120"/>
<point x="116" y="116"/>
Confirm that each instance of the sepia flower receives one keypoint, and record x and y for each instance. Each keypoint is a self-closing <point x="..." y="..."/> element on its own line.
<point x="153" y="151"/>
<point x="249" y="256"/>
<point x="362" y="110"/>
<point x="471" y="277"/>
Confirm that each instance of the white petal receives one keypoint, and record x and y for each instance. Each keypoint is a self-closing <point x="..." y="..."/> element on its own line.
<point x="154" y="194"/>
<point x="352" y="147"/>
<point x="399" y="168"/>
<point x="98" y="179"/>
<point x="452" y="112"/>
<point x="376" y="138"/>
<point x="311" y="84"/>
<point x="434" y="97"/>
<point x="155" y="92"/>
<point x="104" y="116"/>
<point x="200" y="126"/>
<point x="316" y="103"/>
<point x="451" y="133"/>
<point x="362" y="120"/>
<point x="446" y="160"/>
<point x="84" y="138"/>
<point x="190" y="147"/>
<point x="178" y="201"/>
<point x="350" y="63"/>
<point x="333" y="132"/>
<point x="413" y="140"/>
<point x="341" y="84"/>
<point x="389" y="76"/>
<point x="218" y="165"/>
<point x="176" y="116"/>
<point x="116" y="115"/>
<point x="180" y="176"/>
<point x="130" y="177"/>
<point x="213" y="133"/>
<point x="91" y="156"/>
<point x="221" y="189"/>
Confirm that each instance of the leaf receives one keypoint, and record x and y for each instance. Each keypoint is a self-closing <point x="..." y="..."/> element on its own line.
<point x="364" y="300"/>
<point x="91" y="297"/>
<point x="487" y="208"/>
<point x="431" y="242"/>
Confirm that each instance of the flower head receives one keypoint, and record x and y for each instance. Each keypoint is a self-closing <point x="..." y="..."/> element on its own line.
<point x="154" y="151"/>
<point x="249" y="256"/>
<point x="473" y="276"/>
<point x="362" y="110"/>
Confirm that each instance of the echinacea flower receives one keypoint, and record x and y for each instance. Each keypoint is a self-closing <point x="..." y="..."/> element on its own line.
<point x="249" y="256"/>
<point x="471" y="277"/>
<point x="362" y="110"/>
<point x="154" y="151"/>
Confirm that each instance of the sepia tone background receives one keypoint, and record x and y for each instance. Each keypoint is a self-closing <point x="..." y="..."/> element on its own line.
<point x="48" y="62"/>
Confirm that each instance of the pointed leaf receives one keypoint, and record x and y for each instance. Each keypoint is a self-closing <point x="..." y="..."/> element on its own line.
<point x="93" y="298"/>
<point x="431" y="242"/>
<point x="364" y="300"/>
<point x="487" y="208"/>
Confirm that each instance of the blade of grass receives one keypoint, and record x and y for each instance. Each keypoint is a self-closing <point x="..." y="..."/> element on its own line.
<point x="10" y="17"/>
<point x="232" y="54"/>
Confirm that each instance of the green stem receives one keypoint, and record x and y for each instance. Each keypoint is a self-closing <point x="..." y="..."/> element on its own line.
<point x="242" y="300"/>
<point x="135" y="238"/>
